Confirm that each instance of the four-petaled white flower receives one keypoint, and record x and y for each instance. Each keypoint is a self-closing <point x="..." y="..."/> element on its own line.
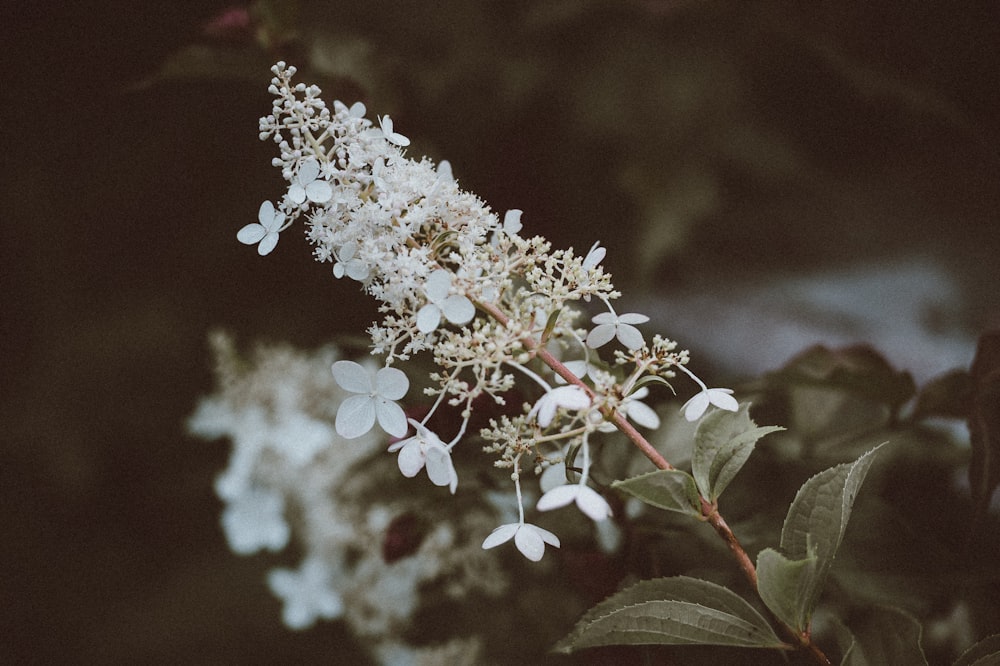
<point x="425" y="449"/>
<point x="611" y="325"/>
<point x="638" y="412"/>
<point x="266" y="232"/>
<point x="385" y="122"/>
<point x="307" y="184"/>
<point x="307" y="593"/>
<point x="588" y="500"/>
<point x="350" y="265"/>
<point x="720" y="397"/>
<point x="529" y="539"/>
<point x="457" y="309"/>
<point x="569" y="397"/>
<point x="357" y="414"/>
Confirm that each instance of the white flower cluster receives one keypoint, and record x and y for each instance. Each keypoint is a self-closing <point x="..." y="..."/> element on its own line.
<point x="293" y="479"/>
<point x="491" y="307"/>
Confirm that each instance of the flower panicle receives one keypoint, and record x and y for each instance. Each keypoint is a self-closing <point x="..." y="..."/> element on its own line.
<point x="495" y="309"/>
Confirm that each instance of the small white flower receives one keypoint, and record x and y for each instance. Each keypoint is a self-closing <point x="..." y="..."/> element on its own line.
<point x="632" y="409"/>
<point x="611" y="325"/>
<point x="307" y="185"/>
<point x="720" y="397"/>
<point x="385" y="122"/>
<point x="350" y="265"/>
<point x="457" y="309"/>
<point x="588" y="500"/>
<point x="357" y="414"/>
<point x="307" y="593"/>
<point x="425" y="449"/>
<point x="266" y="232"/>
<point x="569" y="397"/>
<point x="529" y="539"/>
<point x="255" y="521"/>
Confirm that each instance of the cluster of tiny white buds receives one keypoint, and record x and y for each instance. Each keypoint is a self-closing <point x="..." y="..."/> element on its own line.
<point x="452" y="278"/>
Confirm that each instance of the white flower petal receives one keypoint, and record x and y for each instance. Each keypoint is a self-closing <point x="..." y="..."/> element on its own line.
<point x="633" y="318"/>
<point x="357" y="270"/>
<point x="578" y="368"/>
<point x="391" y="416"/>
<point x="411" y="458"/>
<point x="546" y="412"/>
<point x="444" y="172"/>
<point x="251" y="234"/>
<point x="557" y="497"/>
<point x="439" y="467"/>
<point x="592" y="504"/>
<point x="352" y="377"/>
<point x="552" y="476"/>
<point x="595" y="256"/>
<point x="357" y="110"/>
<point x="570" y="397"/>
<point x="696" y="406"/>
<point x="267" y="243"/>
<point x="319" y="191"/>
<point x="500" y="535"/>
<point x="458" y="309"/>
<point x="529" y="543"/>
<point x="721" y="399"/>
<point x="296" y="193"/>
<point x="512" y="221"/>
<point x="630" y="336"/>
<point x="438" y="285"/>
<point x="547" y="537"/>
<point x="391" y="383"/>
<point x="605" y="318"/>
<point x="428" y="318"/>
<point x="265" y="214"/>
<point x="308" y="171"/>
<point x="601" y="335"/>
<point x="356" y="416"/>
<point x="642" y="414"/>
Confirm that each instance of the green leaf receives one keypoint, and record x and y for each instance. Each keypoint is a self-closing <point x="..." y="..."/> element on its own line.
<point x="784" y="584"/>
<point x="813" y="530"/>
<point x="669" y="489"/>
<point x="858" y="369"/>
<point x="882" y="635"/>
<point x="650" y="379"/>
<point x="948" y="395"/>
<point x="723" y="442"/>
<point x="672" y="611"/>
<point x="984" y="653"/>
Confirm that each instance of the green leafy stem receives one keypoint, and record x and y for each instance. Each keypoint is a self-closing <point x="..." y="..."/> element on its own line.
<point x="688" y="611"/>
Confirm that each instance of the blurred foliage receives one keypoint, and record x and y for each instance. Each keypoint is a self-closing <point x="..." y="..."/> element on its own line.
<point x="702" y="142"/>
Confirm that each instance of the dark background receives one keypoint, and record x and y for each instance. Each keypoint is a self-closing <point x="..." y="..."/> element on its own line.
<point x="123" y="190"/>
